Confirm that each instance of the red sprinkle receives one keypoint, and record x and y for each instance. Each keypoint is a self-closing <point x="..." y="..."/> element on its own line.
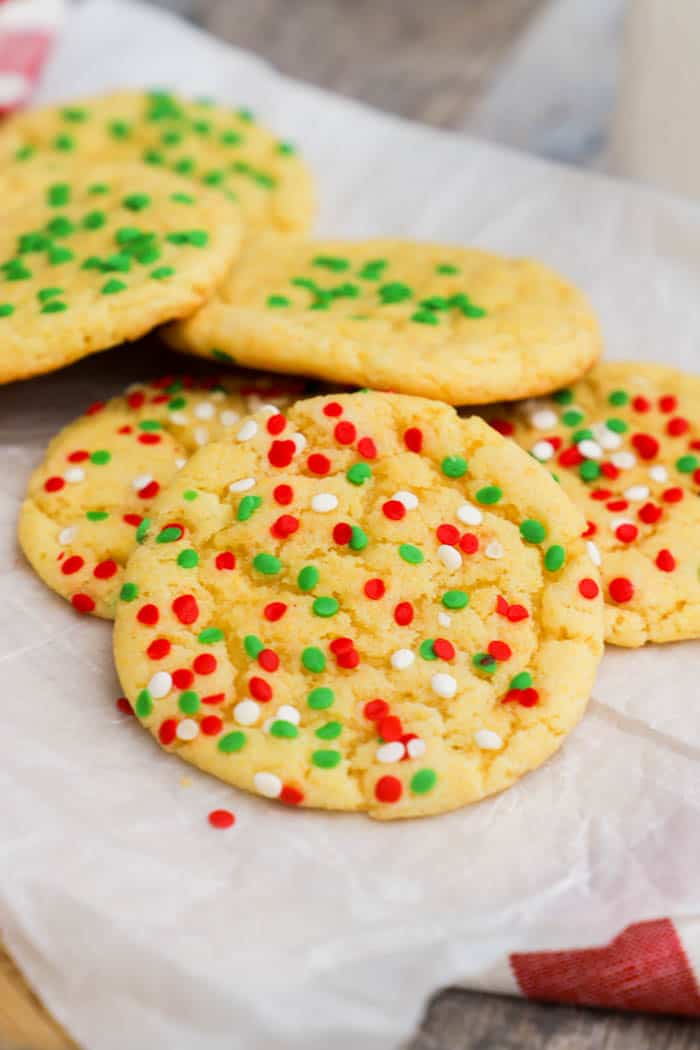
<point x="167" y="731"/>
<point x="285" y="525"/>
<point x="403" y="613"/>
<point x="668" y="403"/>
<point x="333" y="408"/>
<point x="214" y="698"/>
<point x="348" y="659"/>
<point x="268" y="660"/>
<point x="413" y="439"/>
<point x="646" y="445"/>
<point x="443" y="649"/>
<point x="148" y="614"/>
<point x="72" y="564"/>
<point x="649" y="513"/>
<point x="136" y="399"/>
<point x="390" y="728"/>
<point x="183" y="678"/>
<point x="276" y="423"/>
<point x="375" y="709"/>
<point x="503" y="426"/>
<point x="211" y="725"/>
<point x="640" y="404"/>
<point x="341" y="645"/>
<point x="448" y="534"/>
<point x="318" y="463"/>
<point x="94" y="408"/>
<point x="388" y="789"/>
<point x="375" y="589"/>
<point x="221" y="818"/>
<point x="665" y="561"/>
<point x="104" y="570"/>
<point x="82" y="603"/>
<point x="672" y="495"/>
<point x="342" y="533"/>
<point x="133" y="519"/>
<point x="469" y="543"/>
<point x="590" y="530"/>
<point x="281" y="452"/>
<point x="345" y="432"/>
<point x="626" y="533"/>
<point x="677" y="426"/>
<point x="617" y="504"/>
<point x="283" y="494"/>
<point x="500" y="650"/>
<point x="225" y="560"/>
<point x="621" y="589"/>
<point x="158" y="648"/>
<point x="274" y="611"/>
<point x="601" y="494"/>
<point x="367" y="448"/>
<point x="393" y="509"/>
<point x="291" y="796"/>
<point x="123" y="705"/>
<point x="149" y="491"/>
<point x="524" y="697"/>
<point x="205" y="663"/>
<point x="588" y="588"/>
<point x="609" y="470"/>
<point x="185" y="608"/>
<point x="260" y="689"/>
<point x="54" y="484"/>
<point x="78" y="457"/>
<point x="150" y="439"/>
<point x="570" y="457"/>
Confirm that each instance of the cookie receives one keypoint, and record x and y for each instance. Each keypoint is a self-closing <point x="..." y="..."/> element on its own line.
<point x="370" y="605"/>
<point x="102" y="259"/>
<point x="451" y="323"/>
<point x="221" y="148"/>
<point x="88" y="502"/>
<point x="625" y="445"/>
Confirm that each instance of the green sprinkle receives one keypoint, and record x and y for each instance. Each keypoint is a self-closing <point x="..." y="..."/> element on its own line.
<point x="618" y="425"/>
<point x="489" y="494"/>
<point x="426" y="649"/>
<point x="128" y="592"/>
<point x="74" y="115"/>
<point x="425" y="317"/>
<point x="182" y="198"/>
<point x="589" y="470"/>
<point x="313" y="659"/>
<point x="188" y="702"/>
<point x="142" y="530"/>
<point x="94" y="220"/>
<point x="120" y="261"/>
<point x="554" y="558"/>
<point x="185" y="166"/>
<point x="484" y="662"/>
<point x="64" y="143"/>
<point x="687" y="464"/>
<point x="136" y="201"/>
<point x="24" y="153"/>
<point x="99" y="515"/>
<point x="162" y="272"/>
<point x="373" y="270"/>
<point x="523" y="680"/>
<point x="144" y="704"/>
<point x="32" y="242"/>
<point x="231" y="742"/>
<point x="278" y="300"/>
<point x="247" y="508"/>
<point x="321" y="698"/>
<point x="308" y="578"/>
<point x="188" y="559"/>
<point x="221" y="355"/>
<point x="582" y="435"/>
<point x="170" y="534"/>
<point x="60" y="227"/>
<point x="329" y="731"/>
<point x="358" y="473"/>
<point x="98" y="189"/>
<point x="112" y="287"/>
<point x="253" y="646"/>
<point x="6" y="309"/>
<point x="15" y="270"/>
<point x="58" y="194"/>
<point x="326" y="759"/>
<point x="358" y="539"/>
<point x="246" y="115"/>
<point x="331" y="262"/>
<point x="435" y="302"/>
<point x="153" y="156"/>
<point x="455" y="599"/>
<point x="53" y="307"/>
<point x="214" y="634"/>
<point x="125" y="234"/>
<point x="618" y="398"/>
<point x="413" y="555"/>
<point x="325" y="607"/>
<point x="230" y="138"/>
<point x="446" y="268"/>
<point x="423" y="781"/>
<point x="563" y="397"/>
<point x="59" y="254"/>
<point x="150" y="424"/>
<point x="454" y="466"/>
<point x="532" y="531"/>
<point x="572" y="417"/>
<point x="395" y="292"/>
<point x="119" y="129"/>
<point x="197" y="238"/>
<point x="100" y="457"/>
<point x="284" y="730"/>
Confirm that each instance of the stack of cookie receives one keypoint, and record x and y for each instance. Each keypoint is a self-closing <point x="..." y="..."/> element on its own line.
<point x="348" y="600"/>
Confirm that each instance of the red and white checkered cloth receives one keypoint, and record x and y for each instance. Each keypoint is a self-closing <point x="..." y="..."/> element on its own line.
<point x="27" y="31"/>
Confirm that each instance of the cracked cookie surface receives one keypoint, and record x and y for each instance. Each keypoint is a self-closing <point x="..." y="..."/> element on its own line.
<point x="88" y="500"/>
<point x="624" y="443"/>
<point x="456" y="324"/>
<point x="369" y="604"/>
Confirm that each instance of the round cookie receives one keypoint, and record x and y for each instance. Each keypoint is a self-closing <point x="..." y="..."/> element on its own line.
<point x="103" y="258"/>
<point x="219" y="147"/>
<point x="371" y="605"/>
<point x="440" y="321"/>
<point x="88" y="502"/>
<point x="625" y="444"/>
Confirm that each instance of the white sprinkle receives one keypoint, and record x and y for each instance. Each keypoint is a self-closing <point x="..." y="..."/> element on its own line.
<point x="542" y="450"/>
<point x="324" y="502"/>
<point x="444" y="619"/>
<point x="494" y="550"/>
<point x="287" y="713"/>
<point x="409" y="499"/>
<point x="637" y="492"/>
<point x="623" y="460"/>
<point x="392" y="752"/>
<point x="246" y="712"/>
<point x="269" y="409"/>
<point x="132" y="387"/>
<point x="593" y="552"/>
<point x="247" y="431"/>
<point x="415" y="747"/>
<point x="606" y="438"/>
<point x="180" y="462"/>
<point x="201" y="435"/>
<point x="450" y="557"/>
<point x="469" y="514"/>
<point x="228" y="417"/>
<point x="140" y="481"/>
<point x="67" y="535"/>
<point x="402" y="659"/>
<point x="268" y="784"/>
<point x="160" y="685"/>
<point x="488" y="740"/>
<point x="216" y="395"/>
<point x="299" y="441"/>
<point x="544" y="419"/>
<point x="658" y="473"/>
<point x="204" y="410"/>
<point x="179" y="418"/>
<point x="74" y="475"/>
<point x="242" y="486"/>
<point x="590" y="449"/>
<point x="187" y="729"/>
<point x="444" y="685"/>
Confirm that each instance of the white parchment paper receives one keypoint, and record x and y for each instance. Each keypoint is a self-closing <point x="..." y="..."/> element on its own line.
<point x="141" y="925"/>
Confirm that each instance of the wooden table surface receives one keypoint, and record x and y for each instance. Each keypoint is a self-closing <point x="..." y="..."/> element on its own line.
<point x="430" y="61"/>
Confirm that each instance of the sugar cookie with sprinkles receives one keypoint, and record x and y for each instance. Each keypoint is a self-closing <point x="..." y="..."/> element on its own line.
<point x="439" y="321"/>
<point x="371" y="605"/>
<point x="102" y="258"/>
<point x="216" y="146"/>
<point x="625" y="445"/>
<point x="89" y="500"/>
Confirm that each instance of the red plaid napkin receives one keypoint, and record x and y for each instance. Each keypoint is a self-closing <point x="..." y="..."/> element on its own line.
<point x="27" y="31"/>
